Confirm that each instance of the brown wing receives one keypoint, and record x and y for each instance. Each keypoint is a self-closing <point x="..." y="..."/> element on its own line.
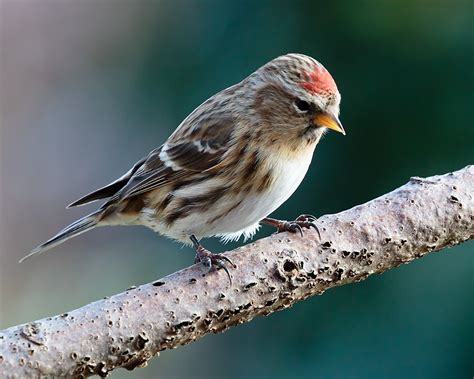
<point x="108" y="190"/>
<point x="188" y="151"/>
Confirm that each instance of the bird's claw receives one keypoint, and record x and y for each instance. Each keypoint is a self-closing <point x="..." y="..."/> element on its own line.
<point x="306" y="217"/>
<point x="210" y="260"/>
<point x="304" y="221"/>
<point x="290" y="226"/>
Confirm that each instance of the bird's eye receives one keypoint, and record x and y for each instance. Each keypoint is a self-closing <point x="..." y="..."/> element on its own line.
<point x="302" y="106"/>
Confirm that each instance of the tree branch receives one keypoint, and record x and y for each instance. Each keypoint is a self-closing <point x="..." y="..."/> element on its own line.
<point x="127" y="329"/>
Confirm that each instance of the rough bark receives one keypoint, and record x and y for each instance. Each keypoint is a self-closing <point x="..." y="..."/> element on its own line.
<point x="127" y="329"/>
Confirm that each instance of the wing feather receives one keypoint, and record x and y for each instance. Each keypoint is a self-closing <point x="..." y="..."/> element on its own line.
<point x="110" y="189"/>
<point x="189" y="151"/>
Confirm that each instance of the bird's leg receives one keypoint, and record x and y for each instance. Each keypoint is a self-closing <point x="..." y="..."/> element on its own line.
<point x="209" y="259"/>
<point x="303" y="221"/>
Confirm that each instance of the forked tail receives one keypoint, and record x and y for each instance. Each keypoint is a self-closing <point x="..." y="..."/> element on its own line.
<point x="80" y="226"/>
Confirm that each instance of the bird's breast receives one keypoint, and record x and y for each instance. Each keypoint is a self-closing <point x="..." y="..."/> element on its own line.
<point x="251" y="204"/>
<point x="233" y="206"/>
<point x="288" y="172"/>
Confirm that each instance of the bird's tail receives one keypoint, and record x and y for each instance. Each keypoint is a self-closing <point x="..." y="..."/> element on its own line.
<point x="80" y="226"/>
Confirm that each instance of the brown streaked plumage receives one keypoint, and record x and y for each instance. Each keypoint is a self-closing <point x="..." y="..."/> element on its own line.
<point x="233" y="161"/>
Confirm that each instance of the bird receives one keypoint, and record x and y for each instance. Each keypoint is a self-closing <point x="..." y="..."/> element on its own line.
<point x="229" y="164"/>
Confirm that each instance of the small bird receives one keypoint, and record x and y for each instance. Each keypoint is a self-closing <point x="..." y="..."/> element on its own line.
<point x="232" y="162"/>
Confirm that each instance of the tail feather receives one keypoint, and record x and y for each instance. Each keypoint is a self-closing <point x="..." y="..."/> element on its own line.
<point x="80" y="226"/>
<point x="110" y="189"/>
<point x="101" y="193"/>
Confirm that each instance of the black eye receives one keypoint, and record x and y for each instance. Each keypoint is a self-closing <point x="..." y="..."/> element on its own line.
<point x="302" y="106"/>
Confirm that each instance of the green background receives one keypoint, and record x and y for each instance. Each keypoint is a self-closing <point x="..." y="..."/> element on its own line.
<point x="89" y="87"/>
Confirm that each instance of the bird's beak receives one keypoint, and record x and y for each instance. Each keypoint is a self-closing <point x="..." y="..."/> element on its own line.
<point x="327" y="120"/>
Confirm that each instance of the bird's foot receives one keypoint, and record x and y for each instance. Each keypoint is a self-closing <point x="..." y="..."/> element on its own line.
<point x="304" y="221"/>
<point x="210" y="259"/>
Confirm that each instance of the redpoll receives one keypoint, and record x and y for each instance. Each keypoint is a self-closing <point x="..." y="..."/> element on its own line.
<point x="233" y="161"/>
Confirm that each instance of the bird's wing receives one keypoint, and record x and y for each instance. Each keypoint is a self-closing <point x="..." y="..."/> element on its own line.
<point x="110" y="189"/>
<point x="189" y="151"/>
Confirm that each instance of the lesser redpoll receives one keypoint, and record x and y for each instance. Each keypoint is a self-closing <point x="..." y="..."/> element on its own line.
<point x="233" y="161"/>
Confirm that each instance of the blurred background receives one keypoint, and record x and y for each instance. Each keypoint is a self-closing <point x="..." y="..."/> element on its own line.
<point x="89" y="87"/>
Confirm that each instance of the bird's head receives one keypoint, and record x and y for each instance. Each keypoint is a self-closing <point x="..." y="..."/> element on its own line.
<point x="296" y="96"/>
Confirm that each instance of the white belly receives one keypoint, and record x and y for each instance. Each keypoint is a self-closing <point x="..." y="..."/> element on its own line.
<point x="243" y="219"/>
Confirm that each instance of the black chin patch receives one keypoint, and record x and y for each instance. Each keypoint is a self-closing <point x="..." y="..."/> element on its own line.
<point x="309" y="133"/>
<point x="309" y="129"/>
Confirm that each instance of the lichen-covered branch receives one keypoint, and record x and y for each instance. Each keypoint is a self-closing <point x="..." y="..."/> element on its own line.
<point x="127" y="329"/>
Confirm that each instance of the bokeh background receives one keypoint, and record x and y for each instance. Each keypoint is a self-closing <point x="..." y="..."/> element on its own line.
<point x="88" y="87"/>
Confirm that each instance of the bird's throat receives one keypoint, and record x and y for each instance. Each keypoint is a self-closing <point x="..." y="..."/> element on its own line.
<point x="311" y="134"/>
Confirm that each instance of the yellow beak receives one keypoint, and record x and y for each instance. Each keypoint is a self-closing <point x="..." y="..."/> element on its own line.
<point x="329" y="121"/>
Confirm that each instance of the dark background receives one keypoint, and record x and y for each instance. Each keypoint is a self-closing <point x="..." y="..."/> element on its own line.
<point x="89" y="87"/>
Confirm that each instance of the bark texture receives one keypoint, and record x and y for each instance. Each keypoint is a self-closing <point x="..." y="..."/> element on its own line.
<point x="127" y="329"/>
